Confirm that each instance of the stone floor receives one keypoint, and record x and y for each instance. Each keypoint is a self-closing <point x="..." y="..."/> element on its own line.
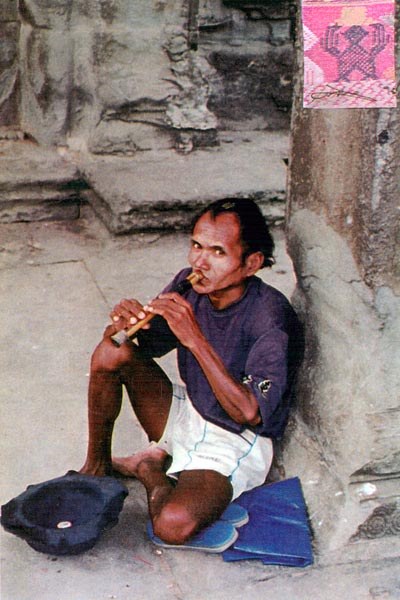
<point x="58" y="282"/>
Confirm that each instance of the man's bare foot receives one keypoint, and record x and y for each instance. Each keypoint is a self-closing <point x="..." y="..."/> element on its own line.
<point x="129" y="466"/>
<point x="98" y="470"/>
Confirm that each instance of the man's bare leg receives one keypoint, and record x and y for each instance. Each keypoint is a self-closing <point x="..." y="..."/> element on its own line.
<point x="104" y="405"/>
<point x="178" y="513"/>
<point x="150" y="393"/>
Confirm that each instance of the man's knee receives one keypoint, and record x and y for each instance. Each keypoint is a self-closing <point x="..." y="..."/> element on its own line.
<point x="174" y="524"/>
<point x="107" y="357"/>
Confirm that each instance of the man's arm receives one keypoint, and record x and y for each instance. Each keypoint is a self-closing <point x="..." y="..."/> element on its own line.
<point x="235" y="398"/>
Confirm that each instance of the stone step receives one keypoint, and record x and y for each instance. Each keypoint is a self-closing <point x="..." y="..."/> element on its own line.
<point x="36" y="184"/>
<point x="153" y="190"/>
<point x="161" y="189"/>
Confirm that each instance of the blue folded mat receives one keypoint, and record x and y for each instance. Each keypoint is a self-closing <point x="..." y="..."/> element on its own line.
<point x="277" y="532"/>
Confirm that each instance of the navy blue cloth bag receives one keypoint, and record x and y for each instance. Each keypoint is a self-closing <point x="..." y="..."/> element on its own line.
<point x="277" y="532"/>
<point x="65" y="515"/>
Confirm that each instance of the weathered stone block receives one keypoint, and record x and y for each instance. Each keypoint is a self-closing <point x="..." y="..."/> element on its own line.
<point x="9" y="73"/>
<point x="46" y="14"/>
<point x="126" y="138"/>
<point x="130" y="68"/>
<point x="50" y="209"/>
<point x="46" y="83"/>
<point x="252" y="87"/>
<point x="37" y="184"/>
<point x="161" y="190"/>
<point x="8" y="10"/>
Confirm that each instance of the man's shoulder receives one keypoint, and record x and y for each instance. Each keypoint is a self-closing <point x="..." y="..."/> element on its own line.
<point x="265" y="293"/>
<point x="269" y="307"/>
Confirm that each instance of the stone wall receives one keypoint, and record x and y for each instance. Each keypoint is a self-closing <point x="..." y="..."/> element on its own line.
<point x="117" y="76"/>
<point x="343" y="232"/>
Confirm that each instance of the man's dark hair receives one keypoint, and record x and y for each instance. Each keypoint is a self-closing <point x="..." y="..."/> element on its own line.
<point x="254" y="232"/>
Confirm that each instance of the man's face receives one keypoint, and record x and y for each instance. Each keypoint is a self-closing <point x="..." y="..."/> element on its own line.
<point x="216" y="252"/>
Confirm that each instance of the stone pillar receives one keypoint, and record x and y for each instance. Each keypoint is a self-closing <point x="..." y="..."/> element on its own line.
<point x="343" y="236"/>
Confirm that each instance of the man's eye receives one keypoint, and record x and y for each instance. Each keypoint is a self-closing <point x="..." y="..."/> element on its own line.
<point x="219" y="252"/>
<point x="195" y="245"/>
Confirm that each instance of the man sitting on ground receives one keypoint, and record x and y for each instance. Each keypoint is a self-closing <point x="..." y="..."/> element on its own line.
<point x="237" y="342"/>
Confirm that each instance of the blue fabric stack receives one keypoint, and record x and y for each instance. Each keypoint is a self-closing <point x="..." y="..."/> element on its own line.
<point x="277" y="532"/>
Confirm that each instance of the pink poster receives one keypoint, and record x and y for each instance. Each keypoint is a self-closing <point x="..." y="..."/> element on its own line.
<point x="348" y="54"/>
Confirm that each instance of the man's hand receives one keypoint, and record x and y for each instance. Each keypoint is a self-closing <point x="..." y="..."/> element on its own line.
<point x="128" y="313"/>
<point x="180" y="317"/>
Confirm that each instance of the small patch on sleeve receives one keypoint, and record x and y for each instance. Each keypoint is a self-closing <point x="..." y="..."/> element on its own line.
<point x="264" y="386"/>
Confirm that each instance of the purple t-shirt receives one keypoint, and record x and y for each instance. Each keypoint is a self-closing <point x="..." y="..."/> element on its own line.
<point x="259" y="341"/>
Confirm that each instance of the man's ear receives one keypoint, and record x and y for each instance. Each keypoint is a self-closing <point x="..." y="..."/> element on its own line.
<point x="254" y="262"/>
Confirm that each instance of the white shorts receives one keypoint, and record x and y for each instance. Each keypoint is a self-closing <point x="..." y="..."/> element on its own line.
<point x="195" y="443"/>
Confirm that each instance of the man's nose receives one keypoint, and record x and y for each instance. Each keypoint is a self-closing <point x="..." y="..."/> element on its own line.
<point x="201" y="261"/>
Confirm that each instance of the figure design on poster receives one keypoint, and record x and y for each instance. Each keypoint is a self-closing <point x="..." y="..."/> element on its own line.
<point x="355" y="56"/>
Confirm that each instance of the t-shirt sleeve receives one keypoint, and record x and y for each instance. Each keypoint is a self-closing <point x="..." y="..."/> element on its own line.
<point x="266" y="374"/>
<point x="270" y="369"/>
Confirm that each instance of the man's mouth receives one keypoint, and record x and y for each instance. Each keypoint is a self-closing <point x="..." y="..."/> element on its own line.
<point x="203" y="281"/>
<point x="200" y="275"/>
